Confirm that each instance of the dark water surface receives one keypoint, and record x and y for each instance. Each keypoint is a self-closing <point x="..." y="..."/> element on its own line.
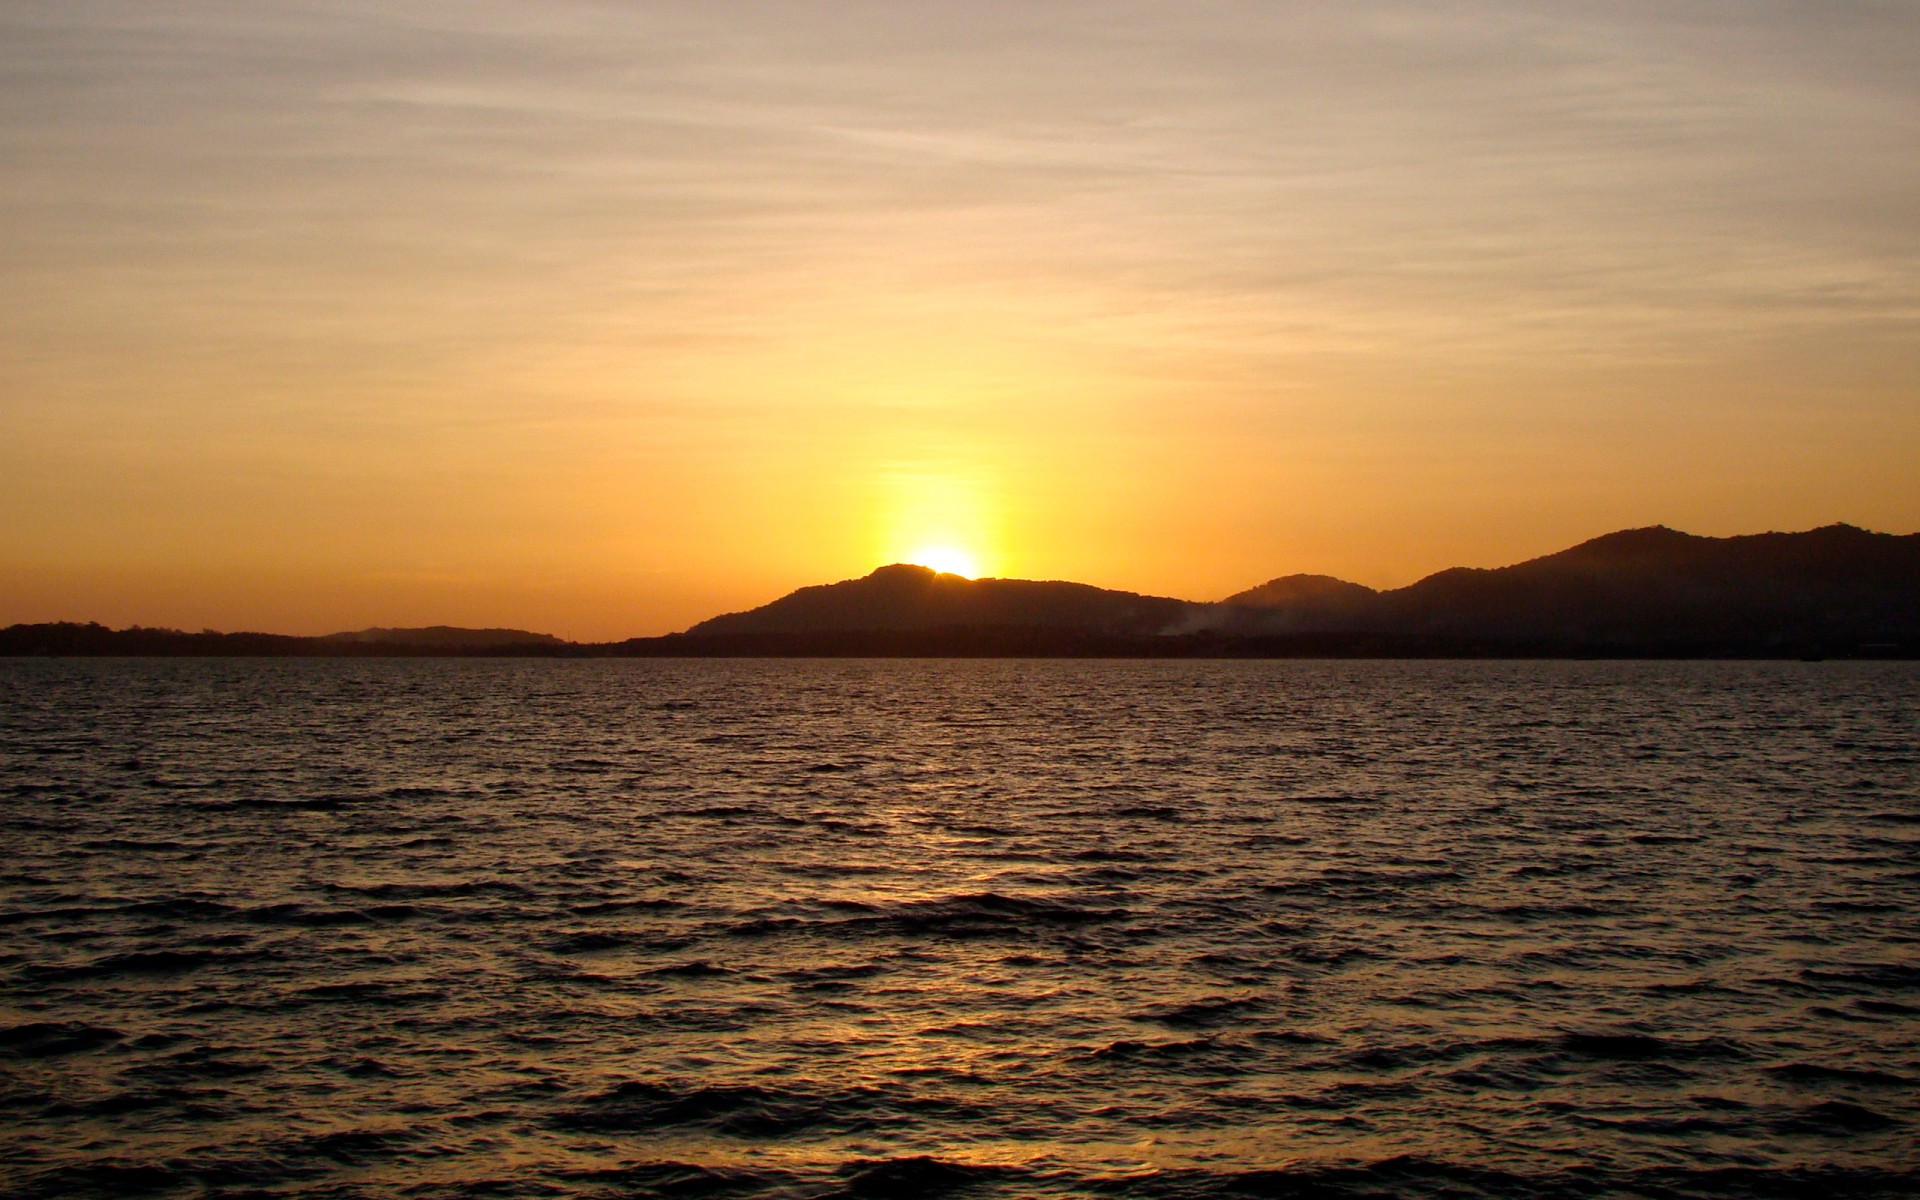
<point x="909" y="928"/>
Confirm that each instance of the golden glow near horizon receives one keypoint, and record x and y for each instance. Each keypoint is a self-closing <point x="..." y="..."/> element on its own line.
<point x="948" y="560"/>
<point x="944" y="520"/>
<point x="599" y="319"/>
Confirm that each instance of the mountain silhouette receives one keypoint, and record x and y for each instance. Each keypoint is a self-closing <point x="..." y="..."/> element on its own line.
<point x="1295" y="603"/>
<point x="444" y="636"/>
<point x="1653" y="592"/>
<point x="91" y="639"/>
<point x="1302" y="589"/>
<point x="907" y="597"/>
<point x="1638" y="591"/>
<point x="1645" y="587"/>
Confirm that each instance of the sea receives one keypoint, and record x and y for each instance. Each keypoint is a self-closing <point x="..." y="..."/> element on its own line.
<point x="993" y="928"/>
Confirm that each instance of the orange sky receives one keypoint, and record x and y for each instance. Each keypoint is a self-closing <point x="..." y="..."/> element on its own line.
<point x="601" y="318"/>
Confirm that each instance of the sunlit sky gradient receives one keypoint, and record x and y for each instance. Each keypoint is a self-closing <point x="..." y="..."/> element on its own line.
<point x="601" y="318"/>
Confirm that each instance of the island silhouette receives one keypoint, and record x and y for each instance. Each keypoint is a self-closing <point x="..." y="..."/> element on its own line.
<point x="1653" y="592"/>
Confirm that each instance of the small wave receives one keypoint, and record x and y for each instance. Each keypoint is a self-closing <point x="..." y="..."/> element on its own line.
<point x="189" y="908"/>
<point x="1693" y="1126"/>
<point x="134" y="844"/>
<point x="1352" y="1094"/>
<point x="1836" y="1117"/>
<point x="1199" y="1014"/>
<point x="51" y="1039"/>
<point x="198" y="1064"/>
<point x="983" y="914"/>
<point x="108" y="1177"/>
<point x="296" y="804"/>
<point x="835" y="973"/>
<point x="1691" y="987"/>
<point x="604" y="907"/>
<point x="1889" y="1008"/>
<point x="1812" y="1073"/>
<point x="763" y="927"/>
<point x="582" y="766"/>
<point x="697" y="969"/>
<point x="299" y="915"/>
<point x="353" y="1147"/>
<point x="1291" y="1037"/>
<point x="1889" y="976"/>
<point x="376" y="992"/>
<point x="670" y="1178"/>
<point x="907" y="1178"/>
<point x="428" y="891"/>
<point x="1355" y="886"/>
<point x="1320" y="954"/>
<point x="974" y="829"/>
<point x="1130" y="1051"/>
<point x="147" y="962"/>
<point x="1647" y="1047"/>
<point x="639" y="1106"/>
<point x="1529" y="913"/>
<point x="591" y="941"/>
<point x="1415" y="1178"/>
<point x="1555" y="870"/>
<point x="972" y="915"/>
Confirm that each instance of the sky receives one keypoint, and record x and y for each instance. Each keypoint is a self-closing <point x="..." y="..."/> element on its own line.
<point x="602" y="318"/>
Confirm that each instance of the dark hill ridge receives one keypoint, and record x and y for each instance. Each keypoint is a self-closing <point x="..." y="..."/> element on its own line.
<point x="1653" y="590"/>
<point x="1657" y="586"/>
<point x="1301" y="589"/>
<point x="69" y="638"/>
<point x="445" y="636"/>
<point x="907" y="597"/>
<point x="1295" y="603"/>
<point x="1641" y="592"/>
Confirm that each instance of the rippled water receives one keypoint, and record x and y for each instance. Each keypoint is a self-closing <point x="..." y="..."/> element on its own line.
<point x="911" y="928"/>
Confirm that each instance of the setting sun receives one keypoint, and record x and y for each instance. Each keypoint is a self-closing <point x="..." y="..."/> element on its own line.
<point x="947" y="560"/>
<point x="943" y="515"/>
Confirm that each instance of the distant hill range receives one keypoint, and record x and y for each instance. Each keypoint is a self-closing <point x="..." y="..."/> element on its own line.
<point x="1834" y="587"/>
<point x="94" y="640"/>
<point x="1835" y="591"/>
<point x="904" y="597"/>
<point x="446" y="636"/>
<point x="1641" y="591"/>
